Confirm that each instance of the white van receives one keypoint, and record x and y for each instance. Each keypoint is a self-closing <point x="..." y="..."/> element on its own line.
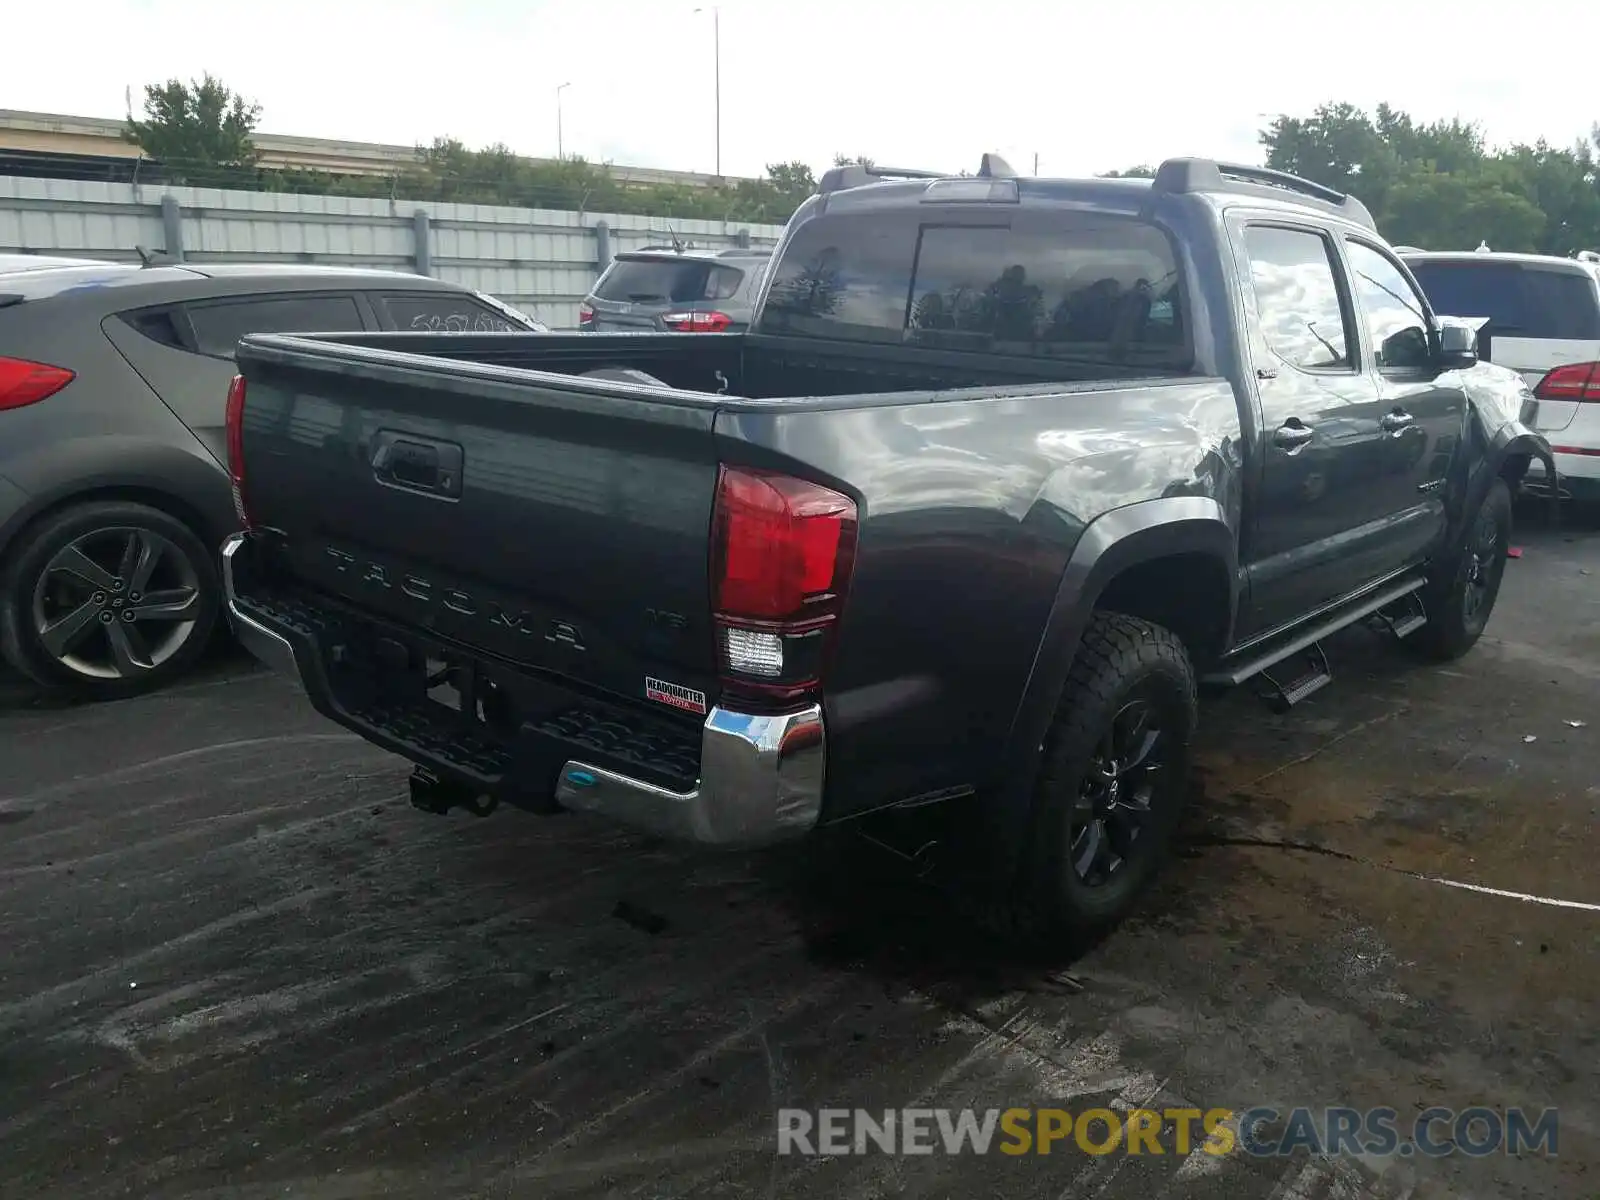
<point x="1544" y="323"/>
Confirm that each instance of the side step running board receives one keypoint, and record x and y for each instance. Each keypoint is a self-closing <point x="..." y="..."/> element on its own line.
<point x="1317" y="675"/>
<point x="1402" y="618"/>
<point x="1237" y="673"/>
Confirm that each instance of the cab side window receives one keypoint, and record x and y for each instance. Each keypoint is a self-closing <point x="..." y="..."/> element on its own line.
<point x="1394" y="314"/>
<point x="1297" y="298"/>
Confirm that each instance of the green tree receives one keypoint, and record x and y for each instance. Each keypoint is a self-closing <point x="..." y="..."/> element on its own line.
<point x="791" y="182"/>
<point x="1563" y="185"/>
<point x="1140" y="172"/>
<point x="199" y="131"/>
<point x="1447" y="146"/>
<point x="1441" y="210"/>
<point x="1439" y="185"/>
<point x="447" y="170"/>
<point x="1338" y="145"/>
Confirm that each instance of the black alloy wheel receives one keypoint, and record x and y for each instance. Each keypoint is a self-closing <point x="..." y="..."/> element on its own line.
<point x="1119" y="787"/>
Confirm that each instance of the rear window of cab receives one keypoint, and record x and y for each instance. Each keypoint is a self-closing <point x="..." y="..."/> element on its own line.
<point x="1069" y="286"/>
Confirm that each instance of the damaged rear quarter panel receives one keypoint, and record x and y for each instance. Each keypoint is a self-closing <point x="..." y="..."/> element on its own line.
<point x="970" y="507"/>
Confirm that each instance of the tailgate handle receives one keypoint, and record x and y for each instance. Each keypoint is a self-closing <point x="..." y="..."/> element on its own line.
<point x="417" y="464"/>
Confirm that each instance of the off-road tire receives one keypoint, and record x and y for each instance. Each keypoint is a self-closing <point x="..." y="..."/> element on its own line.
<point x="1477" y="561"/>
<point x="1120" y="659"/>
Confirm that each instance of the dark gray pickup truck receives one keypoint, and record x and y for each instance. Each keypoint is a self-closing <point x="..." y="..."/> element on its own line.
<point x="1003" y="468"/>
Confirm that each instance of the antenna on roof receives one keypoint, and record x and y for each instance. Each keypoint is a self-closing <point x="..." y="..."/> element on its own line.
<point x="677" y="244"/>
<point x="994" y="167"/>
<point x="146" y="259"/>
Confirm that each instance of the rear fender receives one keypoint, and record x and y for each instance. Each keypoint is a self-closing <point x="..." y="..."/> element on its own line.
<point x="1511" y="441"/>
<point x="1123" y="538"/>
<point x="108" y="464"/>
<point x="1497" y="432"/>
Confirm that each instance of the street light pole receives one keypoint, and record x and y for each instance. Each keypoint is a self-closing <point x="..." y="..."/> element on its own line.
<point x="716" y="51"/>
<point x="561" y="149"/>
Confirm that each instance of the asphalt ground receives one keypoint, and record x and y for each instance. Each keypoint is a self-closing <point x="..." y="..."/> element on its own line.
<point x="236" y="963"/>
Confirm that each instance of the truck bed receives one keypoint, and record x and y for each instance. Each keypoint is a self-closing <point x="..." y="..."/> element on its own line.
<point x="749" y="366"/>
<point x="474" y="493"/>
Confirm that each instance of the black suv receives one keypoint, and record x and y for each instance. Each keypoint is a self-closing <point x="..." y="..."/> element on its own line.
<point x="113" y="498"/>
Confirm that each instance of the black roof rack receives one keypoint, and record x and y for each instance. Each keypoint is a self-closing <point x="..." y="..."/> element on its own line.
<point x="1179" y="175"/>
<point x="837" y="179"/>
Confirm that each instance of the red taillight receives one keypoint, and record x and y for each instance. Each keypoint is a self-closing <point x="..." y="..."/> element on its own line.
<point x="697" y="322"/>
<point x="23" y="382"/>
<point x="782" y="553"/>
<point x="1575" y="381"/>
<point x="585" y="315"/>
<point x="235" y="425"/>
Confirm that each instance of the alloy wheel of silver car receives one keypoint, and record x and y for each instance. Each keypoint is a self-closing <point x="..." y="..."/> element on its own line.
<point x="116" y="603"/>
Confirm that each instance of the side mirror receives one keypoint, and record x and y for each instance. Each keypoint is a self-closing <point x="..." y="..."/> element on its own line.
<point x="1458" y="347"/>
<point x="1407" y="349"/>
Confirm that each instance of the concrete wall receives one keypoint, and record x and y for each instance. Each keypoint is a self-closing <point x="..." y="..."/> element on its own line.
<point x="542" y="261"/>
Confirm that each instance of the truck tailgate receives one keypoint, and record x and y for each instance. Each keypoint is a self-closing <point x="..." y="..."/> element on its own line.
<point x="555" y="523"/>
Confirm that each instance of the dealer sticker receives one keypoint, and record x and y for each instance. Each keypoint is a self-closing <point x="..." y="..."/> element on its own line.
<point x="675" y="694"/>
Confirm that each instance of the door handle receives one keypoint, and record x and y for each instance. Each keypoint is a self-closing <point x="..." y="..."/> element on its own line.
<point x="1395" y="421"/>
<point x="1293" y="434"/>
<point x="417" y="464"/>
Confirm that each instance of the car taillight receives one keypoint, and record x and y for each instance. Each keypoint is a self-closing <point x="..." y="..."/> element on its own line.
<point x="782" y="553"/>
<point x="697" y="322"/>
<point x="1575" y="381"/>
<point x="585" y="315"/>
<point x="235" y="426"/>
<point x="23" y="382"/>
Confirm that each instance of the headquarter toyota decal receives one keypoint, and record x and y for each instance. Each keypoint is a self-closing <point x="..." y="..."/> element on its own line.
<point x="675" y="694"/>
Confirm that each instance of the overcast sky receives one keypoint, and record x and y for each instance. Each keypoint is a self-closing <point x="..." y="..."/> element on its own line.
<point x="1085" y="86"/>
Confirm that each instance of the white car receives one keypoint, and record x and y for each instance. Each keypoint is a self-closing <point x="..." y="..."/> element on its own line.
<point x="1544" y="323"/>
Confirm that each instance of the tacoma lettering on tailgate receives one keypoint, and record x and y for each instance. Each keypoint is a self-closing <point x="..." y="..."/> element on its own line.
<point x="377" y="575"/>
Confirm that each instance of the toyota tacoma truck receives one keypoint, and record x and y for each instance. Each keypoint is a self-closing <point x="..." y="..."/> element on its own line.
<point x="1001" y="471"/>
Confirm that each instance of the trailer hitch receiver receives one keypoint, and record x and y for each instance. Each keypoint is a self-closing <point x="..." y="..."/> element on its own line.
<point x="438" y="796"/>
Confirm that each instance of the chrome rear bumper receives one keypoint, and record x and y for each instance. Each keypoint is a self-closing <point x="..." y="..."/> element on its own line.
<point x="760" y="781"/>
<point x="761" y="776"/>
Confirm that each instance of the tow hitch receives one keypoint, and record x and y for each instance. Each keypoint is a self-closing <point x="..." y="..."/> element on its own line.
<point x="434" y="795"/>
